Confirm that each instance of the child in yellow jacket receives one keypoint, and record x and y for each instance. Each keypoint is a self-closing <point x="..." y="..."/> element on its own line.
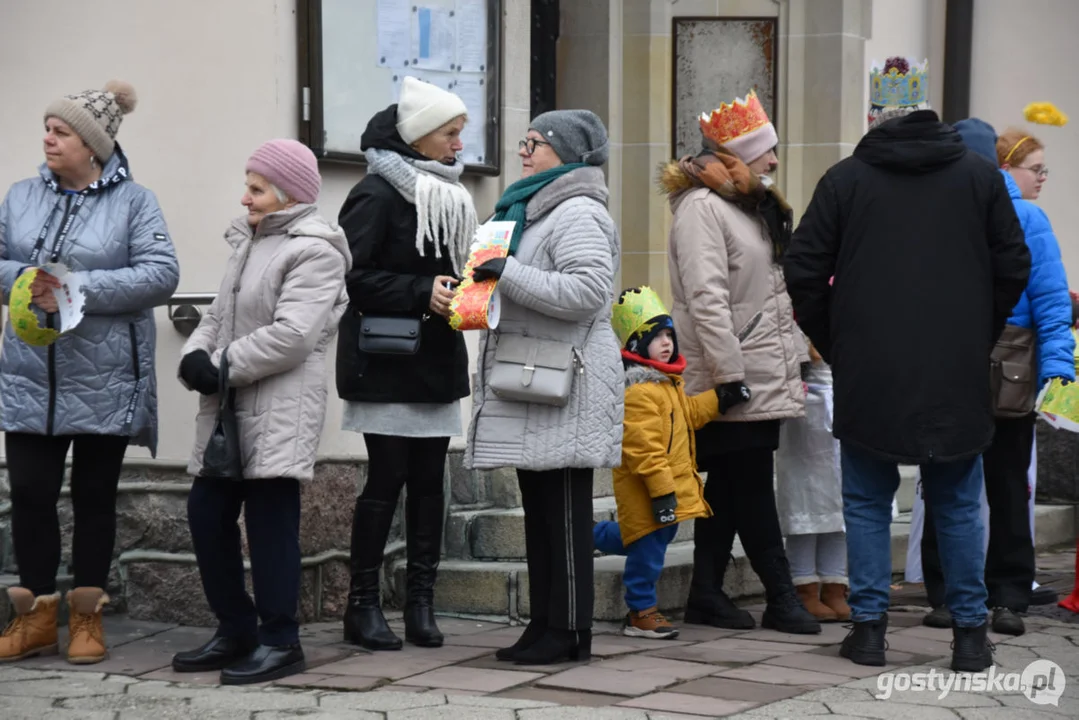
<point x="657" y="485"/>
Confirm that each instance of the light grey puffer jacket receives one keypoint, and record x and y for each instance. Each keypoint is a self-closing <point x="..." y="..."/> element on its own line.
<point x="559" y="282"/>
<point x="98" y="379"/>
<point x="280" y="301"/>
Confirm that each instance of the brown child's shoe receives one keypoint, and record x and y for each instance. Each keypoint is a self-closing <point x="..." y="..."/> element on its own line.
<point x="87" y="645"/>
<point x="648" y="624"/>
<point x="834" y="595"/>
<point x="33" y="631"/>
<point x="809" y="594"/>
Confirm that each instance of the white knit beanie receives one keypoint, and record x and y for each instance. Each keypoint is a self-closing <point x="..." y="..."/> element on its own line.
<point x="424" y="108"/>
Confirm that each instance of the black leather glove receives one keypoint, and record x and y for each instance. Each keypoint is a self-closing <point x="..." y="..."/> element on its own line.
<point x="663" y="508"/>
<point x="198" y="371"/>
<point x="492" y="269"/>
<point x="732" y="395"/>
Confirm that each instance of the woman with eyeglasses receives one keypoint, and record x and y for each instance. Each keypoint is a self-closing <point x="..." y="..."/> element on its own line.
<point x="556" y="287"/>
<point x="1045" y="308"/>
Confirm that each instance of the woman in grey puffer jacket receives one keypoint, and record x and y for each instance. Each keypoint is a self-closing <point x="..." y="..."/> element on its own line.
<point x="94" y="387"/>
<point x="557" y="285"/>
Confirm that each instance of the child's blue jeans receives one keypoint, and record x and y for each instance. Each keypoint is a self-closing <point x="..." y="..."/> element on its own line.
<point x="644" y="560"/>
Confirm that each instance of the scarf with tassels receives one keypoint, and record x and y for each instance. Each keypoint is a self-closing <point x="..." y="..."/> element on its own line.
<point x="730" y="178"/>
<point x="513" y="204"/>
<point x="445" y="213"/>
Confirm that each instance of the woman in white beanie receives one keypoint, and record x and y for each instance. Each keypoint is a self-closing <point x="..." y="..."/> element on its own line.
<point x="93" y="390"/>
<point x="409" y="225"/>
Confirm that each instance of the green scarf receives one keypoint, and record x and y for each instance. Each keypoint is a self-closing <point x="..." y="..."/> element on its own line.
<point x="514" y="201"/>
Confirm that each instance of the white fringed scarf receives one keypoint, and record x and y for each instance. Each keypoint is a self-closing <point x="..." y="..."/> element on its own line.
<point x="445" y="213"/>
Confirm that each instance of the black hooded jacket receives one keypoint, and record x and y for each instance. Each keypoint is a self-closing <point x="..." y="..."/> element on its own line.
<point x="389" y="277"/>
<point x="929" y="259"/>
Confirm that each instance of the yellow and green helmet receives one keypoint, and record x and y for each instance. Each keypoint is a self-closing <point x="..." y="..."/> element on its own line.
<point x="636" y="318"/>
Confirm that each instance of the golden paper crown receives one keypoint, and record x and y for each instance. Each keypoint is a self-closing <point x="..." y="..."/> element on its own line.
<point x="728" y="122"/>
<point x="634" y="309"/>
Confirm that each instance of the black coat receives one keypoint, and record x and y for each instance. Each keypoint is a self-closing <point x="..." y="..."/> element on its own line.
<point x="390" y="277"/>
<point x="929" y="259"/>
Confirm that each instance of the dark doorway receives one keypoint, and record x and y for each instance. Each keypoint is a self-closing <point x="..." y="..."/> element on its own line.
<point x="545" y="25"/>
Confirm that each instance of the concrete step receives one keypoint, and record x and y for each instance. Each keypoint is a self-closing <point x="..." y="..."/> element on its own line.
<point x="500" y="588"/>
<point x="499" y="533"/>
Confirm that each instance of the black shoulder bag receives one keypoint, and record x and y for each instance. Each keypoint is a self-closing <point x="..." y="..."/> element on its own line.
<point x="222" y="458"/>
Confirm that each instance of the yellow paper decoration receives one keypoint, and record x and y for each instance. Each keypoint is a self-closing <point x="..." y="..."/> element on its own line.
<point x="634" y="309"/>
<point x="23" y="318"/>
<point x="1045" y="113"/>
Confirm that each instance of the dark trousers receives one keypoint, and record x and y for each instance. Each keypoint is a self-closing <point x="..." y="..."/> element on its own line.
<point x="397" y="462"/>
<point x="1009" y="561"/>
<point x="271" y="510"/>
<point x="741" y="494"/>
<point x="558" y="543"/>
<point x="36" y="472"/>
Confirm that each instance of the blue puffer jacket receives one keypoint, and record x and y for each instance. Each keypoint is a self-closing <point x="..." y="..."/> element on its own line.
<point x="1045" y="305"/>
<point x="99" y="378"/>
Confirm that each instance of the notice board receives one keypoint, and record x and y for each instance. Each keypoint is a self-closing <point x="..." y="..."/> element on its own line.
<point x="354" y="55"/>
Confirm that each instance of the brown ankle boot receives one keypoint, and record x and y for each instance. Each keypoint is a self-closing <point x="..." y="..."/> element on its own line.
<point x="809" y="594"/>
<point x="834" y="595"/>
<point x="33" y="631"/>
<point x="87" y="643"/>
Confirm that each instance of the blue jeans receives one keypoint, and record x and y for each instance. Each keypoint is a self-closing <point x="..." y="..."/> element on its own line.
<point x="644" y="560"/>
<point x="953" y="495"/>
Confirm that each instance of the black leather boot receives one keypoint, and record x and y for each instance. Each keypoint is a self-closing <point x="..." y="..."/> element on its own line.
<point x="423" y="530"/>
<point x="365" y="624"/>
<point x="531" y="635"/>
<point x="217" y="654"/>
<point x="784" y="611"/>
<point x="555" y="646"/>
<point x="866" y="643"/>
<point x="971" y="649"/>
<point x="707" y="603"/>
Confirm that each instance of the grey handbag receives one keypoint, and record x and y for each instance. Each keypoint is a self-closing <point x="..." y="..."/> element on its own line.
<point x="531" y="370"/>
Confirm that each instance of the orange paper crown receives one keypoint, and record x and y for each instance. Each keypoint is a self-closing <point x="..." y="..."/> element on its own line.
<point x="728" y="122"/>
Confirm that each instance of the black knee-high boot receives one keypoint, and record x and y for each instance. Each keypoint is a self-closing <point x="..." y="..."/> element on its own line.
<point x="365" y="624"/>
<point x="424" y="518"/>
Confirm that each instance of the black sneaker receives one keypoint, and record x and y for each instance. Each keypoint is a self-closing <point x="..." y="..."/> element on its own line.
<point x="940" y="618"/>
<point x="866" y="642"/>
<point x="1043" y="595"/>
<point x="1007" y="622"/>
<point x="971" y="649"/>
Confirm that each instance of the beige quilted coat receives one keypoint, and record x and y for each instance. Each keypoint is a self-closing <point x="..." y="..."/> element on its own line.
<point x="731" y="310"/>
<point x="280" y="301"/>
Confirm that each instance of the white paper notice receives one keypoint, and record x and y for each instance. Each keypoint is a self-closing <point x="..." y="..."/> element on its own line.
<point x="433" y="45"/>
<point x="471" y="16"/>
<point x="472" y="89"/>
<point x="394" y="33"/>
<point x="441" y="80"/>
<point x="69" y="296"/>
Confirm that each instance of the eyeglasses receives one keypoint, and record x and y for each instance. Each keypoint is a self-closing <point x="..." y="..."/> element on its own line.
<point x="529" y="145"/>
<point x="1041" y="171"/>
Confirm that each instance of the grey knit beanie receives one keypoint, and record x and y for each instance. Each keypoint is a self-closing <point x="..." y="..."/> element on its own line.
<point x="95" y="115"/>
<point x="575" y="135"/>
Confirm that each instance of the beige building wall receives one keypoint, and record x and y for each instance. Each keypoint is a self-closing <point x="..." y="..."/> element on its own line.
<point x="1022" y="55"/>
<point x="215" y="79"/>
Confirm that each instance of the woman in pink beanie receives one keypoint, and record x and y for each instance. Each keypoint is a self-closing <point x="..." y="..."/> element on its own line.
<point x="276" y="312"/>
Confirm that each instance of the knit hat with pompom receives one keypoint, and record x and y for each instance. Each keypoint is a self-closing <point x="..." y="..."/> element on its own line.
<point x="95" y="115"/>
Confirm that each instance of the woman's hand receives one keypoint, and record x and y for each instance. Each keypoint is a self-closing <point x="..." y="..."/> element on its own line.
<point x="41" y="291"/>
<point x="441" y="295"/>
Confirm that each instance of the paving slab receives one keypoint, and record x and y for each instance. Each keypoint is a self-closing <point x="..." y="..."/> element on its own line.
<point x="562" y="697"/>
<point x="587" y="713"/>
<point x="789" y="709"/>
<point x="500" y="638"/>
<point x="628" y="676"/>
<point x="688" y="704"/>
<point x="830" y="634"/>
<point x="449" y="712"/>
<point x="464" y="678"/>
<point x="765" y="673"/>
<point x="833" y="665"/>
<point x="398" y="664"/>
<point x="137" y="657"/>
<point x="610" y="645"/>
<point x="731" y="689"/>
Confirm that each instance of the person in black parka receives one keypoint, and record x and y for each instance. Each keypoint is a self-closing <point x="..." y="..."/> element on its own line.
<point x="928" y="260"/>
<point x="409" y="224"/>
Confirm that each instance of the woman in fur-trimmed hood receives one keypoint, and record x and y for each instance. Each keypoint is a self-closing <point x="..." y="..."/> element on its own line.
<point x="736" y="329"/>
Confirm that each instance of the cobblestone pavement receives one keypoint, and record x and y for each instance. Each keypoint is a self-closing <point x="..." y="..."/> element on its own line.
<point x="706" y="672"/>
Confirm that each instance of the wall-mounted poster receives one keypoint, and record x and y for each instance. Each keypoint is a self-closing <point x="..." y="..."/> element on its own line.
<point x="354" y="55"/>
<point x="715" y="61"/>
